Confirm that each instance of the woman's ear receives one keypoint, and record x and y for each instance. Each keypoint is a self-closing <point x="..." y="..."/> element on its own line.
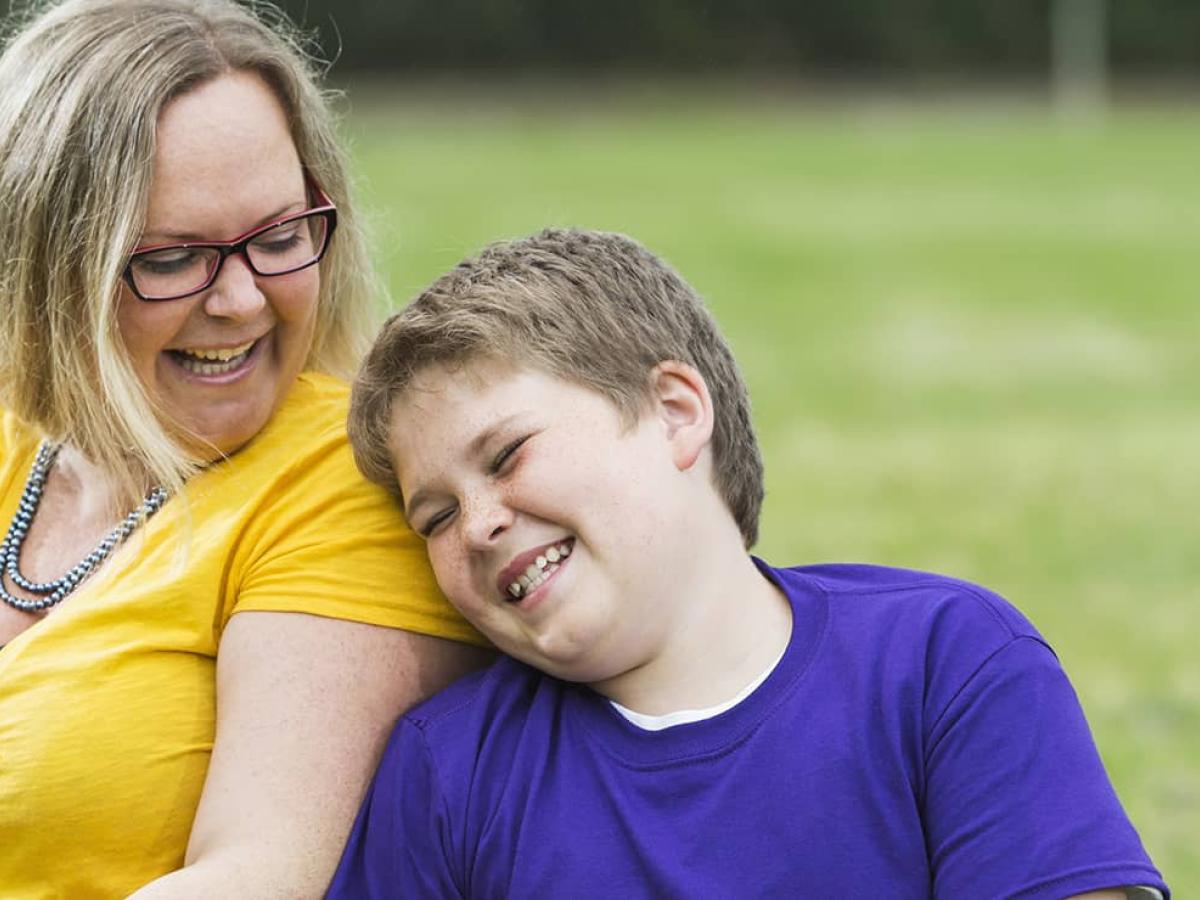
<point x="684" y="407"/>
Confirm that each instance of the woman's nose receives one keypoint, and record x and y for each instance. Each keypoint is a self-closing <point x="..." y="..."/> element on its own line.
<point x="235" y="293"/>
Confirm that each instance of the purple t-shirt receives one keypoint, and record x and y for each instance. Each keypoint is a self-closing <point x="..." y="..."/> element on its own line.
<point x="918" y="738"/>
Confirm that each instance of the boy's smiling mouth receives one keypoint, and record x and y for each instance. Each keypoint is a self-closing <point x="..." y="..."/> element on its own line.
<point x="531" y="569"/>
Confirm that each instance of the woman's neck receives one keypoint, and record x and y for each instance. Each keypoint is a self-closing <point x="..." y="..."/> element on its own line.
<point x="94" y="492"/>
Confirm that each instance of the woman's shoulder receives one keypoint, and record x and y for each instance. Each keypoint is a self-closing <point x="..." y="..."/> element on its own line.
<point x="322" y="385"/>
<point x="303" y="448"/>
<point x="299" y="463"/>
<point x="306" y="532"/>
<point x="316" y="405"/>
<point x="308" y="428"/>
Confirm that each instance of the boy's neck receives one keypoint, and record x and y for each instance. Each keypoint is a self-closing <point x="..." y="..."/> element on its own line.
<point x="728" y="623"/>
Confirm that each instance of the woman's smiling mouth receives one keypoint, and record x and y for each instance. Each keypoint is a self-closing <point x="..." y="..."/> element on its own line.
<point x="207" y="362"/>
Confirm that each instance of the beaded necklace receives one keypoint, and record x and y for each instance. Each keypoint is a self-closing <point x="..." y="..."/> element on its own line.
<point x="52" y="592"/>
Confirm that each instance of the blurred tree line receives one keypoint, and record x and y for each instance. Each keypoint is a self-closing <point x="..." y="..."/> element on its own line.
<point x="994" y="38"/>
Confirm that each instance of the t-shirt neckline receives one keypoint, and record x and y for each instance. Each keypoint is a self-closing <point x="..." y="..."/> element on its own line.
<point x="637" y="747"/>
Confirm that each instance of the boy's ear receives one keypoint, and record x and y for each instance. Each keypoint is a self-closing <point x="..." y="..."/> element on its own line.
<point x="684" y="406"/>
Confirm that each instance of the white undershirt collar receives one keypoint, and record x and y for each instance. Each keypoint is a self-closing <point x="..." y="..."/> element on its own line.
<point x="684" y="716"/>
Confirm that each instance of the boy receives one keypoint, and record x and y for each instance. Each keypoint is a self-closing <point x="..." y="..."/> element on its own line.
<point x="566" y="427"/>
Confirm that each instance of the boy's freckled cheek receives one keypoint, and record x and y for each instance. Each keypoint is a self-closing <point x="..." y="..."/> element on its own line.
<point x="449" y="573"/>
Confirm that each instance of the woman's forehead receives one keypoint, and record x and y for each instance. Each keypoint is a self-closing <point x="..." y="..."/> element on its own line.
<point x="224" y="159"/>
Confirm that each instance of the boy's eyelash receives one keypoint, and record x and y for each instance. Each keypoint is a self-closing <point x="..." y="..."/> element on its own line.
<point x="428" y="528"/>
<point x="505" y="453"/>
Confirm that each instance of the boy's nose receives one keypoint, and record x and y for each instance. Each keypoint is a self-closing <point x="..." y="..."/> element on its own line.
<point x="485" y="519"/>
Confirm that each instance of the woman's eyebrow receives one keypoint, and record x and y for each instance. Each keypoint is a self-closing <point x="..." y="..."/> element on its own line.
<point x="169" y="236"/>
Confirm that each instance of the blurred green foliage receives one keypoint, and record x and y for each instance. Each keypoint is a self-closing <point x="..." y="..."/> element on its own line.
<point x="900" y="36"/>
<point x="970" y="334"/>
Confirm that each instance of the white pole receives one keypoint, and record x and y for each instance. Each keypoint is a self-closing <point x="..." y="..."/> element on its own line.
<point x="1079" y="59"/>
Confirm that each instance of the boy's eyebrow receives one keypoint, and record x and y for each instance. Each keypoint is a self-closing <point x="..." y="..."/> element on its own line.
<point x="407" y="503"/>
<point x="477" y="443"/>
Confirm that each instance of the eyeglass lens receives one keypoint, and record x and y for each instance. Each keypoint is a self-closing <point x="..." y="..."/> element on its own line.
<point x="283" y="248"/>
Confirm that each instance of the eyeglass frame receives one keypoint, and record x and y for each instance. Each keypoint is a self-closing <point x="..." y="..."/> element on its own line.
<point x="238" y="245"/>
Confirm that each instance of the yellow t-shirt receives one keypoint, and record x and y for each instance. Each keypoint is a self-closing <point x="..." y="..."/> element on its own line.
<point x="107" y="706"/>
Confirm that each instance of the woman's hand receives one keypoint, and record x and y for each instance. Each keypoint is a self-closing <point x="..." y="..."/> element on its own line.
<point x="304" y="705"/>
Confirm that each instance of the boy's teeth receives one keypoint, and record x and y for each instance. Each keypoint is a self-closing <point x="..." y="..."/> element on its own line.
<point x="539" y="570"/>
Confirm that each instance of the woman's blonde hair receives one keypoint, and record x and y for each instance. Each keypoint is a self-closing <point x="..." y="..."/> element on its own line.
<point x="82" y="84"/>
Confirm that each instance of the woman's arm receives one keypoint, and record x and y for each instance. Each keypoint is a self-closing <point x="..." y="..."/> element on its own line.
<point x="304" y="705"/>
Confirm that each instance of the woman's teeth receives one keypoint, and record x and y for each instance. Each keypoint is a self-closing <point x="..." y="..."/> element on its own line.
<point x="539" y="570"/>
<point x="213" y="362"/>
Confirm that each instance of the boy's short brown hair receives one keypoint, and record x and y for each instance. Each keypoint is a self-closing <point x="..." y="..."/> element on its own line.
<point x="593" y="308"/>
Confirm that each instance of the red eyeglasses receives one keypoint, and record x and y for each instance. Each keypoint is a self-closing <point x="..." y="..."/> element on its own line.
<point x="173" y="271"/>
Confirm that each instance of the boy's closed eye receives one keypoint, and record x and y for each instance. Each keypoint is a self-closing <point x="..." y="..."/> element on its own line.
<point x="501" y="463"/>
<point x="438" y="519"/>
<point x="507" y="453"/>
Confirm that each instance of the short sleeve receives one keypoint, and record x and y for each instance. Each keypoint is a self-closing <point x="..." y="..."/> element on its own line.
<point x="322" y="540"/>
<point x="400" y="844"/>
<point x="1017" y="802"/>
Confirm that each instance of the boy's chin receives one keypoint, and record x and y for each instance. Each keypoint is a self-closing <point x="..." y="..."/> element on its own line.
<point x="584" y="671"/>
<point x="577" y="663"/>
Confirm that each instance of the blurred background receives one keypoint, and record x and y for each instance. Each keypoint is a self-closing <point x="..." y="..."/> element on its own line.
<point x="955" y="246"/>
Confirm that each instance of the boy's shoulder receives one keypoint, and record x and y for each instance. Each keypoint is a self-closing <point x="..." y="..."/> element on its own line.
<point x="891" y="596"/>
<point x="917" y="628"/>
<point x="906" y="634"/>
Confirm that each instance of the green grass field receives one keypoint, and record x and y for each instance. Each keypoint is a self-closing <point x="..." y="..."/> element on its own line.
<point x="971" y="335"/>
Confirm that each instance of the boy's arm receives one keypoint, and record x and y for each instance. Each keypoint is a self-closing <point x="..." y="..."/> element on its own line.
<point x="400" y="844"/>
<point x="1016" y="797"/>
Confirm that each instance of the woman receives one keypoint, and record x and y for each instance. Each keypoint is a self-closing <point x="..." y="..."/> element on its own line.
<point x="202" y="601"/>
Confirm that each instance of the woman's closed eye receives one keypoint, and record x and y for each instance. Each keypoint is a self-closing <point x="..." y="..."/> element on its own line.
<point x="283" y="238"/>
<point x="168" y="262"/>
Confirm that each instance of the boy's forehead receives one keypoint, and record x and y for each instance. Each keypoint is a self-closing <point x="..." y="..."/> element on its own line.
<point x="446" y="407"/>
<point x="428" y="390"/>
<point x="448" y="413"/>
<point x="477" y="388"/>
